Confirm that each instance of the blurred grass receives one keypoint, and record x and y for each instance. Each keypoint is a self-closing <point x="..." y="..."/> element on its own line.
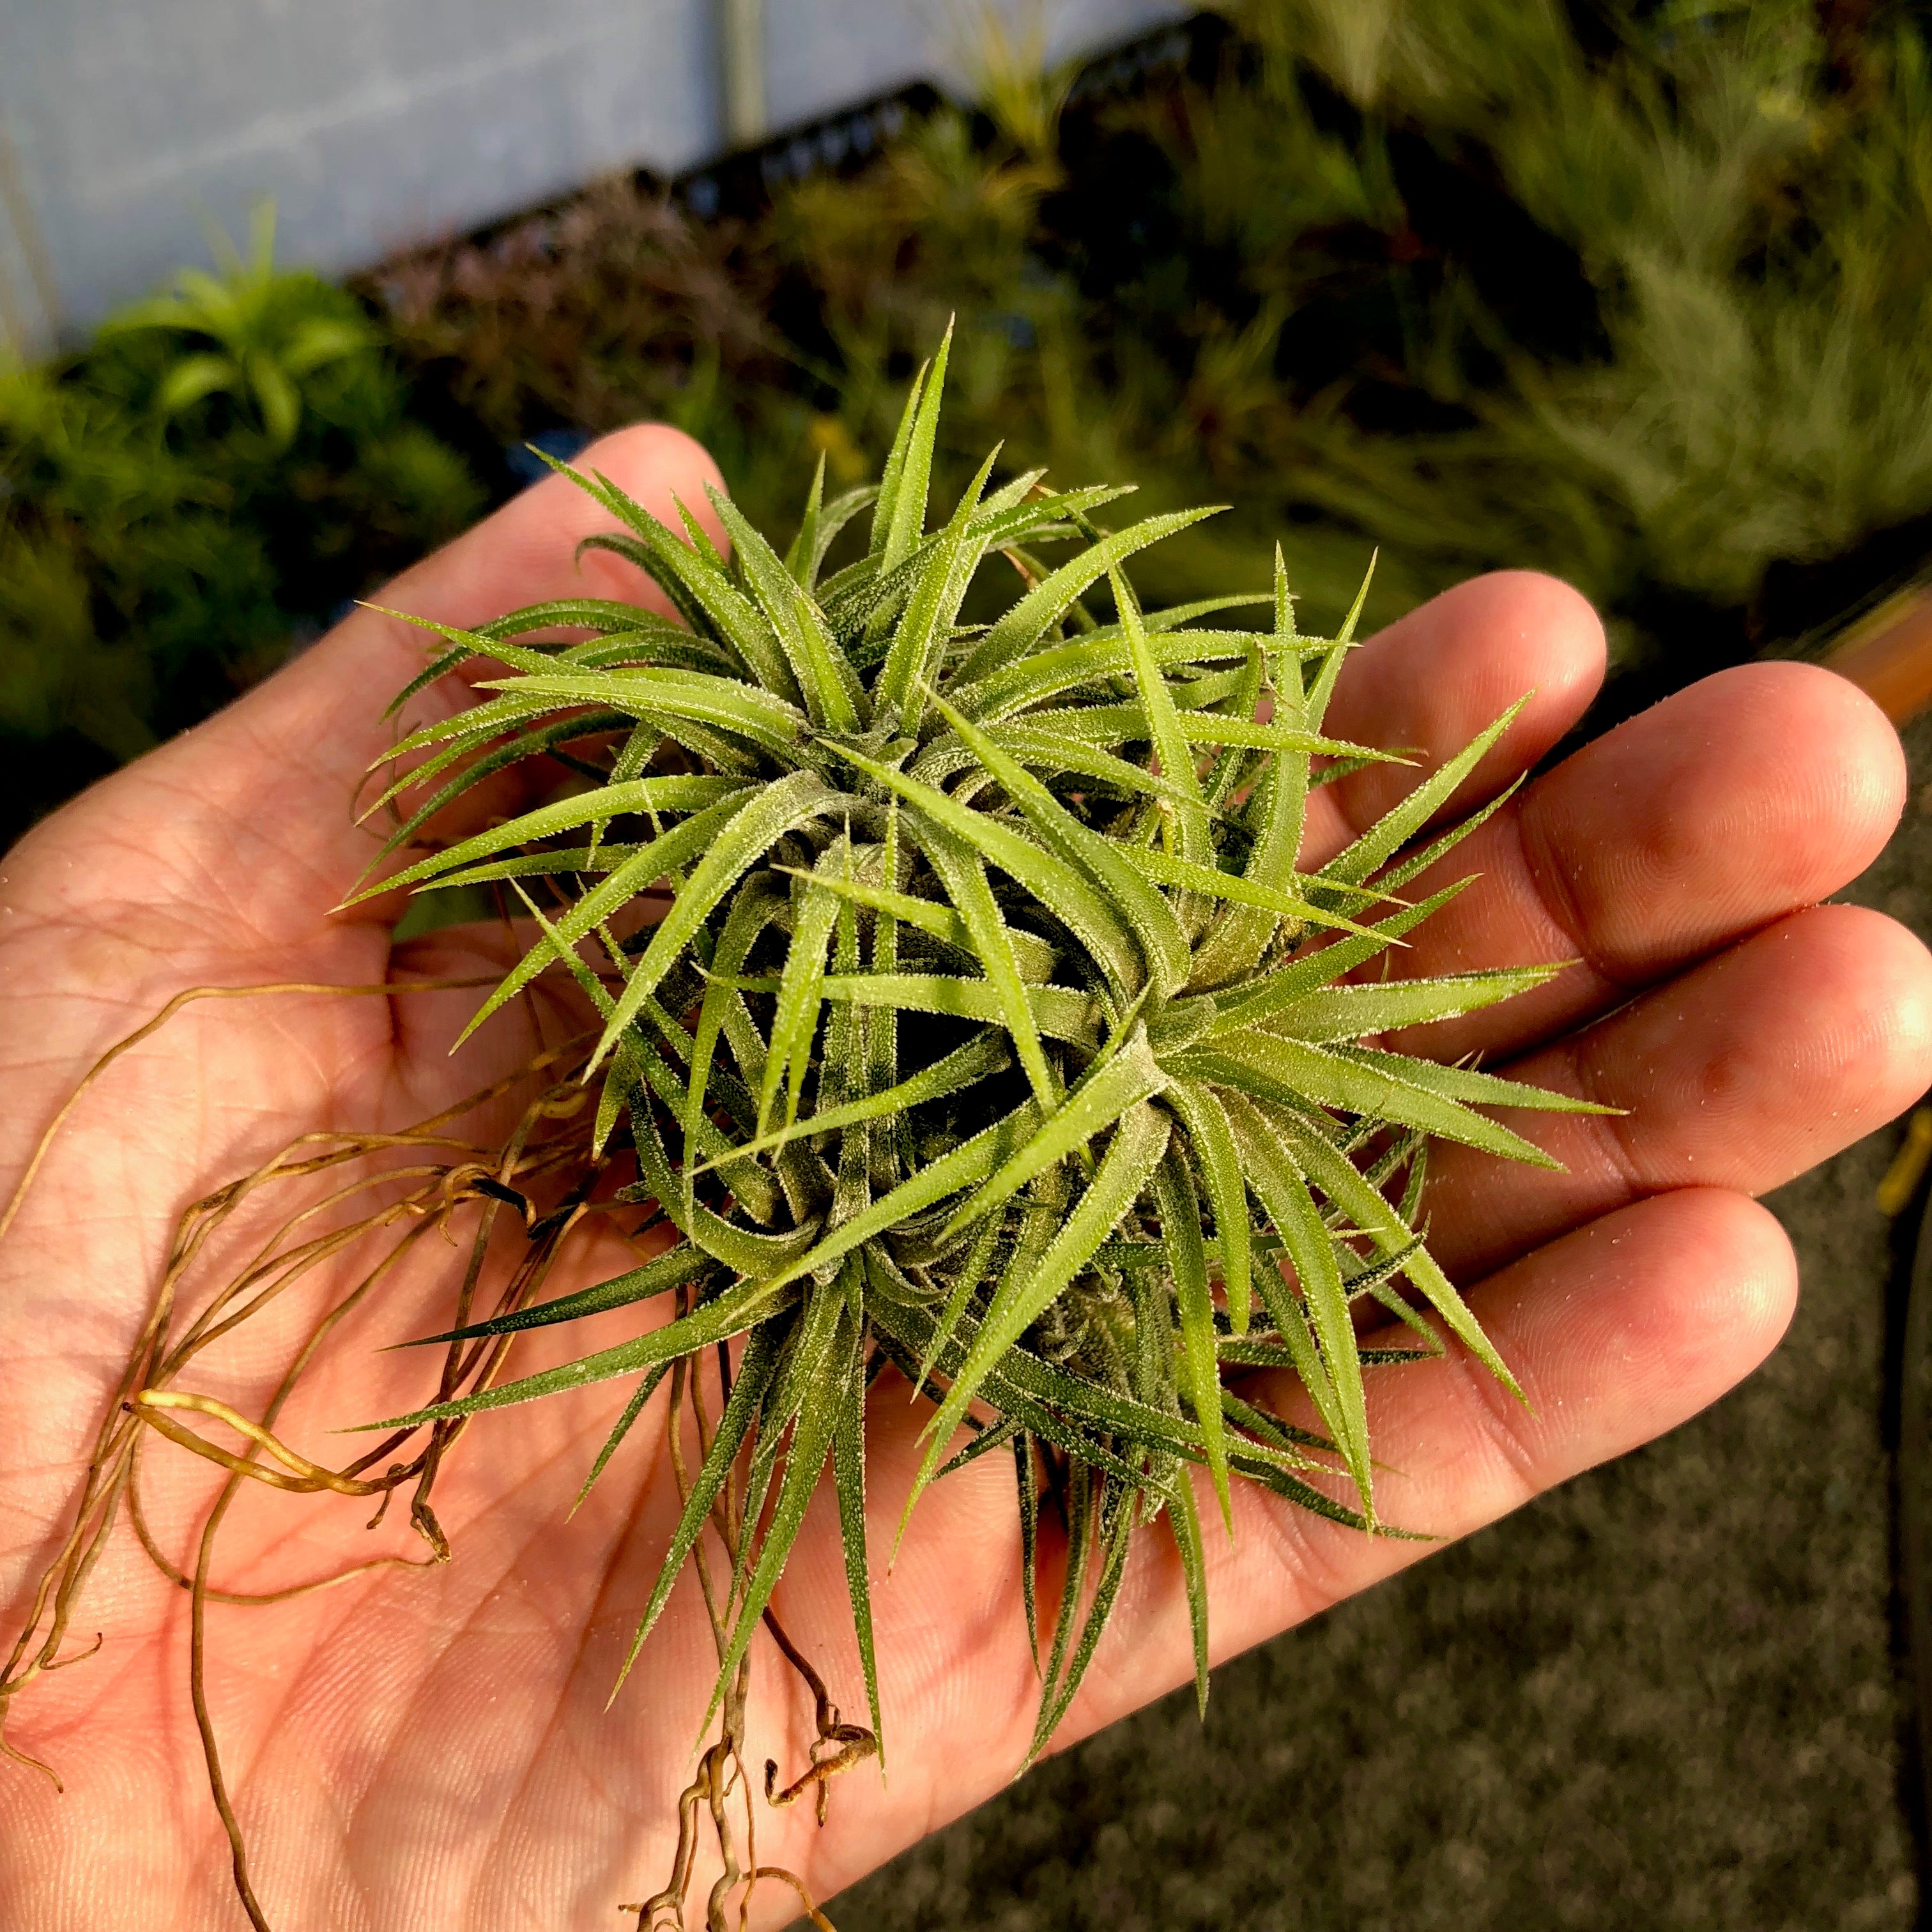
<point x="1630" y="290"/>
<point x="186" y="499"/>
<point x="1630" y="293"/>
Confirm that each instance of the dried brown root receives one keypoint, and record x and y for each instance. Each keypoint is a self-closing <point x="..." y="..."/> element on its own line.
<point x="369" y="1193"/>
<point x="837" y="1747"/>
<point x="721" y="1767"/>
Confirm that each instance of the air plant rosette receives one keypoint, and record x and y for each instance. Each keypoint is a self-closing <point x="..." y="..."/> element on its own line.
<point x="989" y="1037"/>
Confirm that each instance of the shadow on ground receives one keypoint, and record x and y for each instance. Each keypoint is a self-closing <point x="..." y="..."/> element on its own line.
<point x="1666" y="1696"/>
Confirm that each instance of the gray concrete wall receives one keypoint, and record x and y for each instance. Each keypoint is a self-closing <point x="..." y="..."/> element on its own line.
<point x="126" y="125"/>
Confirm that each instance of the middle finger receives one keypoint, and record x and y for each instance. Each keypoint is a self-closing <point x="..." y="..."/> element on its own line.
<point x="1740" y="1074"/>
<point x="1726" y="807"/>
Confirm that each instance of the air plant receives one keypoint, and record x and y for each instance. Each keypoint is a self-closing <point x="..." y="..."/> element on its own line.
<point x="988" y="1032"/>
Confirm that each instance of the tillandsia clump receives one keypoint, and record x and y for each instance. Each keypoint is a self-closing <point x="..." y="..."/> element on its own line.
<point x="955" y="1006"/>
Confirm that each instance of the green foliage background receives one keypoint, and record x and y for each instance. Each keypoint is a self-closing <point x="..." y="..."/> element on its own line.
<point x="188" y="497"/>
<point x="1631" y="292"/>
<point x="1634" y="295"/>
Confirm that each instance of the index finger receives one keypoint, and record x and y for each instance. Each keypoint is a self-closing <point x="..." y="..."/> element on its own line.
<point x="1436" y="679"/>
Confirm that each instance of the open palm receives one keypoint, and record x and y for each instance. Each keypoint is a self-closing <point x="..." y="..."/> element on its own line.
<point x="429" y="1746"/>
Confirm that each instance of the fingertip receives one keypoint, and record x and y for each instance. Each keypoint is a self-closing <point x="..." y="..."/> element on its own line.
<point x="1751" y="1274"/>
<point x="654" y="461"/>
<point x="1691" y="1290"/>
<point x="1536" y="610"/>
<point x="663" y="470"/>
<point x="1889" y="970"/>
<point x="1825" y="750"/>
<point x="1541" y="636"/>
<point x="1667" y="1304"/>
<point x="1866" y="760"/>
<point x="1822" y="1021"/>
<point x="1437" y="676"/>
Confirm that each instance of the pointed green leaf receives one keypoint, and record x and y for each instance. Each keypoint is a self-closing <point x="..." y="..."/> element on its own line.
<point x="1170" y="746"/>
<point x="829" y="1387"/>
<point x="829" y="685"/>
<point x="1213" y="1141"/>
<point x="801" y="560"/>
<point x="1342" y="1183"/>
<point x="1467" y="1084"/>
<point x="1340" y="1013"/>
<point x="1184" y="1520"/>
<point x="1250" y="1004"/>
<point x="640" y="795"/>
<point x="932" y="606"/>
<point x="1119" y="1540"/>
<point x="1026" y="1473"/>
<point x="771" y="723"/>
<point x="1157" y="935"/>
<point x="532" y="743"/>
<point x="990" y="1436"/>
<point x="1070" y="894"/>
<point x="1372" y="1086"/>
<point x="621" y="1428"/>
<point x="755" y="1370"/>
<point x="1090" y="1109"/>
<point x="978" y="1059"/>
<point x="1035" y="958"/>
<point x="831" y="520"/>
<point x="972" y="1273"/>
<point x="696" y="579"/>
<point x="964" y="876"/>
<point x="781" y="808"/>
<point x="682" y="1263"/>
<point x="1082" y="1537"/>
<point x="848" y="1471"/>
<point x="1187" y="1259"/>
<point x="647" y="863"/>
<point x="1138" y="1143"/>
<point x="795" y="1019"/>
<point x="1057" y="1013"/>
<point x="1336" y="1386"/>
<point x="1238" y="888"/>
<point x="1023" y="626"/>
<point x="1396" y="827"/>
<point x="967" y="1164"/>
<point x="730" y="1314"/>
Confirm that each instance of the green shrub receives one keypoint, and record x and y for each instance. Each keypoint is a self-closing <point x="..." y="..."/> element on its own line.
<point x="1755" y="232"/>
<point x="1633" y="294"/>
<point x="199" y="486"/>
<point x="1630" y="294"/>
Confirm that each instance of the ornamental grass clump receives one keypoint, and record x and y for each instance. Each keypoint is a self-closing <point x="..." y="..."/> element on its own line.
<point x="988" y="1033"/>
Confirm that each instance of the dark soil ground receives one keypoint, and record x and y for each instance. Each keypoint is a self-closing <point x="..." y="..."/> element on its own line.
<point x="1668" y="1696"/>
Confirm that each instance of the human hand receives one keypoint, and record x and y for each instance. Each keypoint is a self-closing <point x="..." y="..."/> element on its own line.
<point x="429" y="1748"/>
